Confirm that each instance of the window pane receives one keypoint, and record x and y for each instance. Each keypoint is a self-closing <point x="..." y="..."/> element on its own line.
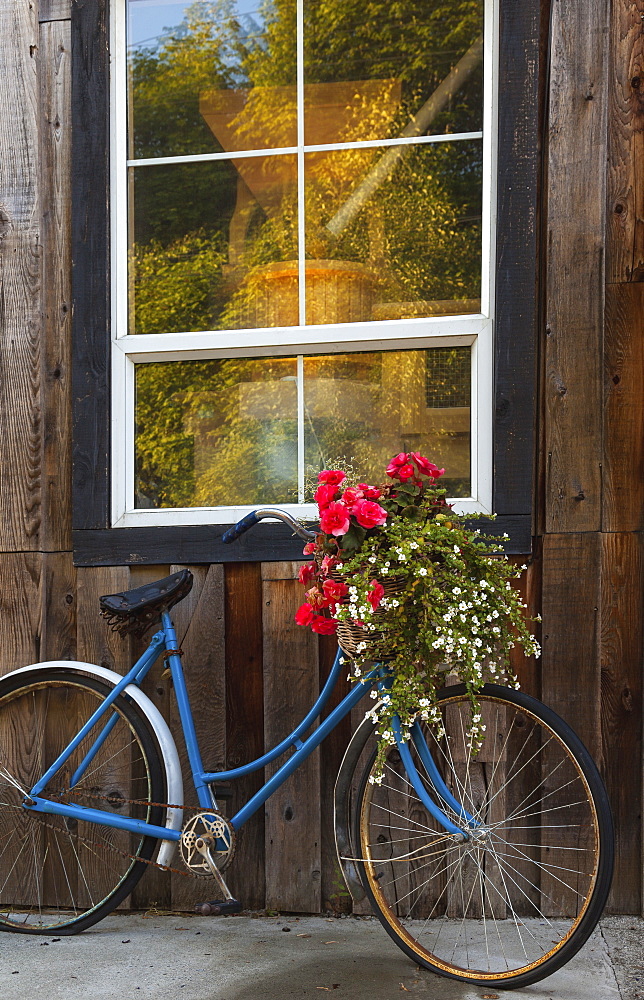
<point x="213" y="245"/>
<point x="225" y="432"/>
<point x="373" y="68"/>
<point x="209" y="76"/>
<point x="360" y="409"/>
<point x="214" y="433"/>
<point x="404" y="222"/>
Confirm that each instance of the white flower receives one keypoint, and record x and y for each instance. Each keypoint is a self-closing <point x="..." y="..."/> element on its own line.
<point x="371" y="559"/>
<point x="413" y="545"/>
<point x="422" y="571"/>
<point x="478" y="642"/>
<point x="456" y="549"/>
<point x="462" y="606"/>
<point x="457" y="590"/>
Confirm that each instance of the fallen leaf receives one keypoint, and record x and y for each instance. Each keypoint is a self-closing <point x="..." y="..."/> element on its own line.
<point x="403" y="987"/>
<point x="304" y="935"/>
<point x="332" y="942"/>
<point x="490" y="996"/>
<point x="323" y="988"/>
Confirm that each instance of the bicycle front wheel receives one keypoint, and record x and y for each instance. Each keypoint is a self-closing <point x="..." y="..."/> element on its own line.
<point x="57" y="874"/>
<point x="516" y="899"/>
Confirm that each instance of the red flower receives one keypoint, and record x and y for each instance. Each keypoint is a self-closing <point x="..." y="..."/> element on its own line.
<point x="405" y="472"/>
<point x="334" y="590"/>
<point x="426" y="467"/>
<point x="331" y="477"/>
<point x="325" y="494"/>
<point x="334" y="520"/>
<point x="369" y="514"/>
<point x="304" y="614"/>
<point x="308" y="549"/>
<point x="307" y="572"/>
<point x="376" y="594"/>
<point x="323" y="626"/>
<point x="327" y="564"/>
<point x="396" y="462"/>
<point x="370" y="492"/>
<point x="351" y="496"/>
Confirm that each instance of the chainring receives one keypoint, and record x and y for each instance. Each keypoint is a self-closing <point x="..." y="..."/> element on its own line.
<point x="213" y="823"/>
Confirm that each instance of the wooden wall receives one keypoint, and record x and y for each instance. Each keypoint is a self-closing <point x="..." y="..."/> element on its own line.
<point x="585" y="573"/>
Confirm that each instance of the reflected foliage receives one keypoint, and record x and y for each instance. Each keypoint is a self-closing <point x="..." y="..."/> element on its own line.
<point x="214" y="245"/>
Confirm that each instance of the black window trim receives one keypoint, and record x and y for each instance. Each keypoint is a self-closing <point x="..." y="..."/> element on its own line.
<point x="517" y="308"/>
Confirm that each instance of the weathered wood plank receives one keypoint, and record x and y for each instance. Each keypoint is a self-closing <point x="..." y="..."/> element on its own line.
<point x="58" y="632"/>
<point x="570" y="672"/>
<point x="293" y="860"/>
<point x="575" y="264"/>
<point x="245" y="722"/>
<point x="155" y="889"/>
<point x="334" y="894"/>
<point x="54" y="10"/>
<point x="20" y="609"/>
<point x="622" y="634"/>
<point x="199" y="620"/>
<point x="517" y="258"/>
<point x="91" y="265"/>
<point x="525" y="667"/>
<point x="96" y="642"/>
<point x="55" y="150"/>
<point x="625" y="234"/>
<point x="19" y="278"/>
<point x="623" y="468"/>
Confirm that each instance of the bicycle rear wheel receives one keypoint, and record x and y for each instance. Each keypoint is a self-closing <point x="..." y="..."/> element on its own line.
<point x="59" y="874"/>
<point x="516" y="900"/>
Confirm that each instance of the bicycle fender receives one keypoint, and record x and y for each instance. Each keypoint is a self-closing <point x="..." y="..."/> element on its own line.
<point x="174" y="780"/>
<point x="342" y="809"/>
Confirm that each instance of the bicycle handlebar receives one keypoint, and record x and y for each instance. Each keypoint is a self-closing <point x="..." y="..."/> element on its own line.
<point x="258" y="515"/>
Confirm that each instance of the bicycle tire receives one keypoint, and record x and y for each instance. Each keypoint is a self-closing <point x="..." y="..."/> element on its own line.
<point x="516" y="902"/>
<point x="59" y="875"/>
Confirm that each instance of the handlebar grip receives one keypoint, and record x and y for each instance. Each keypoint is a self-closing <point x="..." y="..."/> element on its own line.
<point x="238" y="529"/>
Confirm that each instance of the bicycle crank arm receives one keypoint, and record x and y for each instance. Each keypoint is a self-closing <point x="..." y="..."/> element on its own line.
<point x="203" y="845"/>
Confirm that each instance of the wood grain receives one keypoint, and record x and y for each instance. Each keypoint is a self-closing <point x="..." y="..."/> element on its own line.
<point x="155" y="889"/>
<point x="293" y="856"/>
<point x="20" y="609"/>
<point x="575" y="264"/>
<point x="54" y="10"/>
<point x="91" y="265"/>
<point x="58" y="632"/>
<point x="20" y="279"/>
<point x="334" y="893"/>
<point x="96" y="642"/>
<point x="622" y="635"/>
<point x="55" y="153"/>
<point x="623" y="464"/>
<point x="245" y="723"/>
<point x="570" y="671"/>
<point x="199" y="620"/>
<point x="625" y="195"/>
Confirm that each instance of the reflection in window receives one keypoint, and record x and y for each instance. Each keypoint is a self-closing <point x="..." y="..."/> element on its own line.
<point x="389" y="232"/>
<point x="227" y="432"/>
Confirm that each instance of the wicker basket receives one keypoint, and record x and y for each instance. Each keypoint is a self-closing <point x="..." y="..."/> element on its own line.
<point x="349" y="636"/>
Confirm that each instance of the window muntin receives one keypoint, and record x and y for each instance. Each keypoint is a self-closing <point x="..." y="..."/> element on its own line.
<point x="348" y="298"/>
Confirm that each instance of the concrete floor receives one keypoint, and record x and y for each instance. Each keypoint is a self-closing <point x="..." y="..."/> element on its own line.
<point x="184" y="957"/>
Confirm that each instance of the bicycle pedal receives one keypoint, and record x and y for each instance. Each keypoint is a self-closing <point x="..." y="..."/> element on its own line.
<point x="218" y="907"/>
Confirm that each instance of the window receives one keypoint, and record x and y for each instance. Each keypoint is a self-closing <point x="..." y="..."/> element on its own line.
<point x="301" y="244"/>
<point x="302" y="261"/>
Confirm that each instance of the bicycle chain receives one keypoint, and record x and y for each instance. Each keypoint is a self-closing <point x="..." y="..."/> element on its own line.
<point x="111" y="847"/>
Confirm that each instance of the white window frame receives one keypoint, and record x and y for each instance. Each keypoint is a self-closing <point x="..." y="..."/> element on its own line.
<point x="475" y="330"/>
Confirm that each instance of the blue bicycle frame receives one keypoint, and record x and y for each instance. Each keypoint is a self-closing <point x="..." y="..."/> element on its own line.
<point x="166" y="640"/>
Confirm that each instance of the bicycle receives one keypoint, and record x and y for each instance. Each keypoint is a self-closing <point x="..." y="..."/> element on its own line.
<point x="492" y="868"/>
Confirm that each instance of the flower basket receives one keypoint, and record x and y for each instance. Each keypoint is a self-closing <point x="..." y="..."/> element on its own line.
<point x="399" y="577"/>
<point x="354" y="639"/>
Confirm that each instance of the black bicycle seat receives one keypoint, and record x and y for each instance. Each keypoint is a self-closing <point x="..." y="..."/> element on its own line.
<point x="133" y="611"/>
